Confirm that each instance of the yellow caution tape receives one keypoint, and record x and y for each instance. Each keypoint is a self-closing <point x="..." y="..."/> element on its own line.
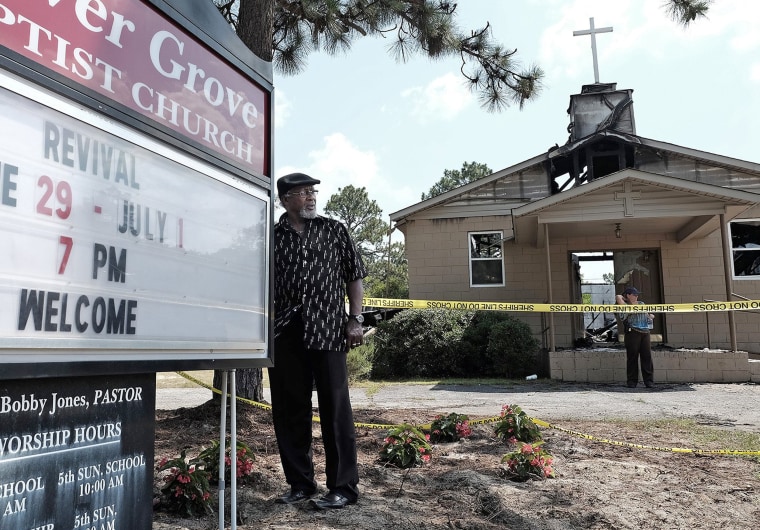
<point x="217" y="391"/>
<point x="700" y="307"/>
<point x="494" y="419"/>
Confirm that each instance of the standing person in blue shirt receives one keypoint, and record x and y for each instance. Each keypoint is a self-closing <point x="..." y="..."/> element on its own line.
<point x="316" y="266"/>
<point x="637" y="340"/>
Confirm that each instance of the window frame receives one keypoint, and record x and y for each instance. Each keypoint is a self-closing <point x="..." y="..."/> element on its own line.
<point x="742" y="249"/>
<point x="471" y="259"/>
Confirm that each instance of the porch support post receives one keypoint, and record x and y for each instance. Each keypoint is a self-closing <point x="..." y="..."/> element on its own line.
<point x="729" y="281"/>
<point x="547" y="246"/>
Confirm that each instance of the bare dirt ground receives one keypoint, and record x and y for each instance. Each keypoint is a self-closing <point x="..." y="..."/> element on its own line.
<point x="598" y="485"/>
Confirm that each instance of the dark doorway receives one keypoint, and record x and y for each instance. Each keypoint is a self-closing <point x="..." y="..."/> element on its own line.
<point x="641" y="269"/>
<point x="599" y="275"/>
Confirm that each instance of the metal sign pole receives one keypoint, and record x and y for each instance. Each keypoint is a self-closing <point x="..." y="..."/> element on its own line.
<point x="228" y="375"/>
<point x="222" y="450"/>
<point x="233" y="451"/>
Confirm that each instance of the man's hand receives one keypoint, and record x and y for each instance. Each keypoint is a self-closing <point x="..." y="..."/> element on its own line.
<point x="354" y="334"/>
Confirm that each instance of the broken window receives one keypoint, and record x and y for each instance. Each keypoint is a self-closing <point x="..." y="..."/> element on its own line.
<point x="745" y="247"/>
<point x="486" y="263"/>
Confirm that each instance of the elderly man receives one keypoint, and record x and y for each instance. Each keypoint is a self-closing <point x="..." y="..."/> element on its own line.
<point x="316" y="265"/>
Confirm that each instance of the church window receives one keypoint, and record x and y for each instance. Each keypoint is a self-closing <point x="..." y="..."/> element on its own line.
<point x="486" y="259"/>
<point x="745" y="248"/>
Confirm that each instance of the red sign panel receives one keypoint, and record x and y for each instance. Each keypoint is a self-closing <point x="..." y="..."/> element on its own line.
<point x="128" y="52"/>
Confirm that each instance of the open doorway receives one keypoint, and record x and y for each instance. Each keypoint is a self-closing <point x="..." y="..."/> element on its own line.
<point x="599" y="276"/>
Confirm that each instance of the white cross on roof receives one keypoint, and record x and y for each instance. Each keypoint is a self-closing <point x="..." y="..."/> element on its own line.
<point x="593" y="31"/>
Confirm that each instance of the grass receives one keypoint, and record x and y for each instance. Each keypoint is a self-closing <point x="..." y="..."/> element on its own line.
<point x="174" y="380"/>
<point x="452" y="381"/>
<point x="697" y="435"/>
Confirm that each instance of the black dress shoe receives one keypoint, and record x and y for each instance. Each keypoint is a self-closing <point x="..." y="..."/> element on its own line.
<point x="332" y="501"/>
<point x="649" y="384"/>
<point x="294" y="496"/>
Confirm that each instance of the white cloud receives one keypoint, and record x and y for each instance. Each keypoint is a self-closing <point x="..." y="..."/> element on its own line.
<point x="339" y="163"/>
<point x="282" y="108"/>
<point x="754" y="73"/>
<point x="645" y="42"/>
<point x="343" y="163"/>
<point x="636" y="27"/>
<point x="444" y="98"/>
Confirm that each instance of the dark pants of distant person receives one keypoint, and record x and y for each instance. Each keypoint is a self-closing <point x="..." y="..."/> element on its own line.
<point x="637" y="345"/>
<point x="291" y="381"/>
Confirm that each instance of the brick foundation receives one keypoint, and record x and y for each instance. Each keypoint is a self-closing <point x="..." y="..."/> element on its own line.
<point x="607" y="365"/>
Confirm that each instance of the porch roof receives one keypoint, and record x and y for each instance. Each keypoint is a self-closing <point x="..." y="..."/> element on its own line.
<point x="638" y="201"/>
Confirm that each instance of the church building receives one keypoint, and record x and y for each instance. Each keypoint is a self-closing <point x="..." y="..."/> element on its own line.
<point x="679" y="224"/>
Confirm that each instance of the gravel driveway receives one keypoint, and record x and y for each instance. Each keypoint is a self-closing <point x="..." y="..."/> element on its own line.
<point x="730" y="405"/>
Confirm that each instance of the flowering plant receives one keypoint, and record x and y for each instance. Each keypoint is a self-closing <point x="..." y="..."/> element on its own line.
<point x="210" y="459"/>
<point x="406" y="446"/>
<point x="528" y="461"/>
<point x="516" y="426"/>
<point x="449" y="428"/>
<point x="186" y="489"/>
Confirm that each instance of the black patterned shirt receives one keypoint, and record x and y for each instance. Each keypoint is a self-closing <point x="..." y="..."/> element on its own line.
<point x="310" y="277"/>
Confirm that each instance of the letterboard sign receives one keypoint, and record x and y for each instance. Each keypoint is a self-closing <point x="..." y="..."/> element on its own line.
<point x="77" y="453"/>
<point x="115" y="250"/>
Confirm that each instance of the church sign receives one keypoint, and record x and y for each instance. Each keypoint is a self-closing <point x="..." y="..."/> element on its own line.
<point x="141" y="238"/>
<point x="135" y="237"/>
<point x="77" y="453"/>
<point x="125" y="51"/>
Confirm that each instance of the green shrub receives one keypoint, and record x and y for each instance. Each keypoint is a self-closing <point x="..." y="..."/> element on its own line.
<point x="359" y="360"/>
<point x="512" y="348"/>
<point x="449" y="428"/>
<point x="420" y="342"/>
<point x="186" y="490"/>
<point x="515" y="426"/>
<point x="443" y="343"/>
<point x="475" y="341"/>
<point x="528" y="461"/>
<point x="406" y="446"/>
<point x="209" y="459"/>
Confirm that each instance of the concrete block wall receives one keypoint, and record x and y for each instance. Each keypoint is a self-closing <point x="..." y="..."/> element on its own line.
<point x="754" y="370"/>
<point x="670" y="366"/>
<point x="438" y="257"/>
<point x="692" y="270"/>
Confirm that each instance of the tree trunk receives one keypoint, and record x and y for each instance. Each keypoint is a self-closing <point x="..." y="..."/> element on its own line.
<point x="255" y="29"/>
<point x="249" y="383"/>
<point x="256" y="26"/>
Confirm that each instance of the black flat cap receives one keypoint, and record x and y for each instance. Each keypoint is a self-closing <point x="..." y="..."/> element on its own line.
<point x="293" y="180"/>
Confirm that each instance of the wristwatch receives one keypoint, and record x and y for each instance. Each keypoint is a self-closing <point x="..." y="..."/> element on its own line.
<point x="359" y="318"/>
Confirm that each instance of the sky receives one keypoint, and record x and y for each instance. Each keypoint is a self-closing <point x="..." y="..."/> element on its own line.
<point x="362" y="119"/>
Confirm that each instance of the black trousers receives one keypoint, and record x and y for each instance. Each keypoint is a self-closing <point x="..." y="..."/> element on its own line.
<point x="291" y="380"/>
<point x="638" y="345"/>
